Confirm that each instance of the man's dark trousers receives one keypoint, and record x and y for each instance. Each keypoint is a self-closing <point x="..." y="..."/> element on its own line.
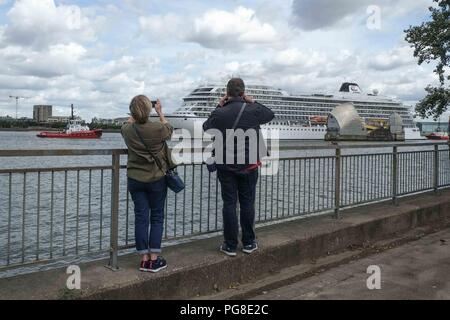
<point x="240" y="185"/>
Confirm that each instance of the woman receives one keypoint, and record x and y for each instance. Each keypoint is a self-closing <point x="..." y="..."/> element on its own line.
<point x="146" y="178"/>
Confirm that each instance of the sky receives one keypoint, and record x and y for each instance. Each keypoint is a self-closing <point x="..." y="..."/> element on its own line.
<point x="99" y="54"/>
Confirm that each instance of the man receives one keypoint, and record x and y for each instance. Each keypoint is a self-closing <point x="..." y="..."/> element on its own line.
<point x="237" y="167"/>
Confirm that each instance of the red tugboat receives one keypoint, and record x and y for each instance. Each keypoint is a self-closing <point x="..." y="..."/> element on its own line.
<point x="74" y="130"/>
<point x="437" y="136"/>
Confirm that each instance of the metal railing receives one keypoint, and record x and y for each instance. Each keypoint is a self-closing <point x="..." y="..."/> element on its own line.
<point x="56" y="212"/>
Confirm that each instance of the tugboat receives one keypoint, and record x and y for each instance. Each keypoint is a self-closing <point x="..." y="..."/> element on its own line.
<point x="74" y="130"/>
<point x="437" y="136"/>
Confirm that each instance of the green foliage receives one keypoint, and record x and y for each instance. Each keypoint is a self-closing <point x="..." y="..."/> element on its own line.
<point x="27" y="124"/>
<point x="431" y="43"/>
<point x="21" y="124"/>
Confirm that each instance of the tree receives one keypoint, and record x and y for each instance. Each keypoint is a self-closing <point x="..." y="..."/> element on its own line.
<point x="431" y="43"/>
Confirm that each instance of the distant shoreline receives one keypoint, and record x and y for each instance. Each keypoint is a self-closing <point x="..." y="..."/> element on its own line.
<point x="26" y="129"/>
<point x="47" y="129"/>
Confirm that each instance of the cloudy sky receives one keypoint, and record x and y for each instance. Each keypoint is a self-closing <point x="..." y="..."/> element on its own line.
<point x="99" y="54"/>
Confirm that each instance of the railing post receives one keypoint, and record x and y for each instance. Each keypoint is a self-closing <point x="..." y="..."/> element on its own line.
<point x="114" y="231"/>
<point x="337" y="184"/>
<point x="436" y="169"/>
<point x="395" y="175"/>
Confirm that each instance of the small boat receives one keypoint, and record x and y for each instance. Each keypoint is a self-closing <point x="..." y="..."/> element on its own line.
<point x="437" y="136"/>
<point x="318" y="120"/>
<point x="74" y="130"/>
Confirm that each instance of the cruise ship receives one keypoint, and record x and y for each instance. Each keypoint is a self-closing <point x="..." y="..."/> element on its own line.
<point x="297" y="117"/>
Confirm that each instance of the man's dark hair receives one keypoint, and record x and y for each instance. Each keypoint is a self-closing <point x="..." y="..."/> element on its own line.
<point x="235" y="87"/>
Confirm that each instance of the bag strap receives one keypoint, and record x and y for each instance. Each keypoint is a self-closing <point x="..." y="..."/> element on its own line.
<point x="237" y="120"/>
<point x="239" y="116"/>
<point x="155" y="158"/>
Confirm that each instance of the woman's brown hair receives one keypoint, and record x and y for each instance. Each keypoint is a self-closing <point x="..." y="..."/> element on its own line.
<point x="140" y="108"/>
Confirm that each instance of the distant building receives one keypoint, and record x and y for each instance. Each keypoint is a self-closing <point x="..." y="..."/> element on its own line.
<point x="59" y="119"/>
<point x="103" y="121"/>
<point x="120" y="121"/>
<point x="109" y="122"/>
<point x="41" y="113"/>
<point x="429" y="127"/>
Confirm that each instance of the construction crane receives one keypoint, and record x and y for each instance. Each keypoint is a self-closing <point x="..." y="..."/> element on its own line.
<point x="17" y="103"/>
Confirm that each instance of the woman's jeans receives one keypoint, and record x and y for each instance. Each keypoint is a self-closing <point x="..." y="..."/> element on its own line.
<point x="149" y="200"/>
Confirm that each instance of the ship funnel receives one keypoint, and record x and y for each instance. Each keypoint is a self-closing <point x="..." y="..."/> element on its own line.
<point x="350" y="87"/>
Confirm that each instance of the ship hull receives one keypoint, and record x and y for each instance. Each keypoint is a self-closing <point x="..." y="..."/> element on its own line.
<point x="434" y="136"/>
<point x="281" y="132"/>
<point x="91" y="134"/>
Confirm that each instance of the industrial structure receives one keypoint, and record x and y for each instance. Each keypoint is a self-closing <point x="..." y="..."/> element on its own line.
<point x="345" y="124"/>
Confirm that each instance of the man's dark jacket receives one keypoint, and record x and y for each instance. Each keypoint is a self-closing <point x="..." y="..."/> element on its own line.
<point x="223" y="118"/>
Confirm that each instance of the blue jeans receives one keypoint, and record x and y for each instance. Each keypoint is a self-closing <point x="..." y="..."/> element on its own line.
<point x="242" y="185"/>
<point x="149" y="200"/>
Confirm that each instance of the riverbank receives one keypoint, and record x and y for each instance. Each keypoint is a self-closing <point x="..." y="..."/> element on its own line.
<point x="39" y="129"/>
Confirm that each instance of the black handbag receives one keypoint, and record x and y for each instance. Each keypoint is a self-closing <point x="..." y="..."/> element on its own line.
<point x="173" y="180"/>
<point x="211" y="163"/>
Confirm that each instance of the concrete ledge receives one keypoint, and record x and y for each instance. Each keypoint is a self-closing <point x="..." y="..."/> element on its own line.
<point x="199" y="269"/>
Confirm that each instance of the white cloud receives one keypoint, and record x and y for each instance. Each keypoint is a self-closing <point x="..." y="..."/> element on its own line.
<point x="393" y="59"/>
<point x="244" y="69"/>
<point x="57" y="60"/>
<point x="161" y="27"/>
<point x="138" y="67"/>
<point x="215" y="29"/>
<point x="71" y="50"/>
<point x="225" y="30"/>
<point x="40" y="23"/>
<point x="299" y="60"/>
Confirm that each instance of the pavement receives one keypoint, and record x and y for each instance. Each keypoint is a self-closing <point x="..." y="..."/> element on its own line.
<point x="419" y="270"/>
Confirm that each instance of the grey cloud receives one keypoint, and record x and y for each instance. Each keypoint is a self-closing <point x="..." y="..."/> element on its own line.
<point x="312" y="15"/>
<point x="41" y="70"/>
<point x="317" y="14"/>
<point x="22" y="83"/>
<point x="391" y="65"/>
<point x="36" y="38"/>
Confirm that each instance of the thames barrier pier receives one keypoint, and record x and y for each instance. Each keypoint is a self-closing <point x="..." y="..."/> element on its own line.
<point x="345" y="124"/>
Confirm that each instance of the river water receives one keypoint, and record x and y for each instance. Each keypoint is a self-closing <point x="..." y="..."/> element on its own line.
<point x="67" y="214"/>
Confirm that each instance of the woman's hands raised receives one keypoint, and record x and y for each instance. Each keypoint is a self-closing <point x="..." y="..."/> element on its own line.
<point x="158" y="107"/>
